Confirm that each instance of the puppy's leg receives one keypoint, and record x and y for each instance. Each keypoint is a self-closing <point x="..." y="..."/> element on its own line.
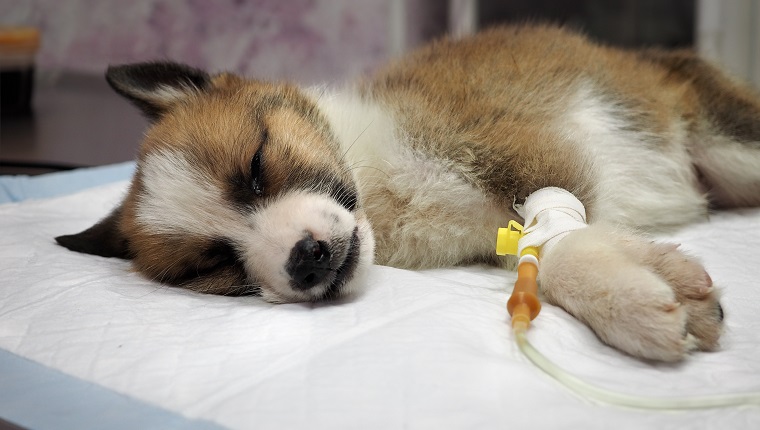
<point x="729" y="170"/>
<point x="725" y="136"/>
<point x="646" y="299"/>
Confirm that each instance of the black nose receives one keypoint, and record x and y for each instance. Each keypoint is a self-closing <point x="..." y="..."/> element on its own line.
<point x="308" y="264"/>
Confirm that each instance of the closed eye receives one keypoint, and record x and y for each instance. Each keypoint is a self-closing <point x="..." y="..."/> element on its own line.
<point x="257" y="169"/>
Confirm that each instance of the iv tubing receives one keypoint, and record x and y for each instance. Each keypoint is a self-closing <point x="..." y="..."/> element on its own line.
<point x="524" y="305"/>
<point x="601" y="395"/>
<point x="550" y="214"/>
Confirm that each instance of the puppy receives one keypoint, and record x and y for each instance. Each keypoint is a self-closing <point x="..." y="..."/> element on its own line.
<point x="251" y="187"/>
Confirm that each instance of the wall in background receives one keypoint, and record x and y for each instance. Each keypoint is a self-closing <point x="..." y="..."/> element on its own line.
<point x="332" y="40"/>
<point x="726" y="32"/>
<point x="729" y="34"/>
<point x="306" y="40"/>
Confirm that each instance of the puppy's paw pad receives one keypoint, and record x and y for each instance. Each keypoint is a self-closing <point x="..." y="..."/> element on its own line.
<point x="685" y="274"/>
<point x="693" y="288"/>
<point x="661" y="333"/>
<point x="705" y="322"/>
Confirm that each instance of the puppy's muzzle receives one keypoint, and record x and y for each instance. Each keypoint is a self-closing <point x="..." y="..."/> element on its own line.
<point x="309" y="263"/>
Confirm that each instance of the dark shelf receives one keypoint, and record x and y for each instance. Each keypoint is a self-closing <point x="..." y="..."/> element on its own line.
<point x="76" y="120"/>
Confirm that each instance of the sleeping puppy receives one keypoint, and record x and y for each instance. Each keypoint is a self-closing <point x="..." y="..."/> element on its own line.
<point x="252" y="187"/>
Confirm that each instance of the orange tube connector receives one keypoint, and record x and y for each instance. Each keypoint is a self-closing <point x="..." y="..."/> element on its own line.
<point x="524" y="305"/>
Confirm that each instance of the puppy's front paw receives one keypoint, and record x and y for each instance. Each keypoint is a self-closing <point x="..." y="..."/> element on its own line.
<point x="647" y="299"/>
<point x="693" y="289"/>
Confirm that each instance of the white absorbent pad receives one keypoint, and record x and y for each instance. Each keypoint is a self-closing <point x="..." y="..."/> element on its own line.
<point x="430" y="349"/>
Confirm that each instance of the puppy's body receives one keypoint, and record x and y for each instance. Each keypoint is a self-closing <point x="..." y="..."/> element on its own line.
<point x="245" y="185"/>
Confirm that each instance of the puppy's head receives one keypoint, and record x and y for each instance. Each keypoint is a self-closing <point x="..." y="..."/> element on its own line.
<point x="240" y="188"/>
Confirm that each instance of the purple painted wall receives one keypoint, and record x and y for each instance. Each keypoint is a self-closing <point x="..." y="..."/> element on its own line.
<point x="306" y="40"/>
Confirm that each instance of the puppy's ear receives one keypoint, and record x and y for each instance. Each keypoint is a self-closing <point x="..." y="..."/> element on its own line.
<point x="104" y="238"/>
<point x="154" y="87"/>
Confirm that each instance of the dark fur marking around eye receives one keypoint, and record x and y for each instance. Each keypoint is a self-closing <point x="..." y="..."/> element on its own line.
<point x="322" y="180"/>
<point x="257" y="167"/>
<point x="220" y="251"/>
<point x="345" y="194"/>
<point x="257" y="174"/>
<point x="217" y="255"/>
<point x="246" y="186"/>
<point x="239" y="190"/>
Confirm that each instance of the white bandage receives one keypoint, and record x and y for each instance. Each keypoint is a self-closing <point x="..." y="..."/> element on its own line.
<point x="550" y="214"/>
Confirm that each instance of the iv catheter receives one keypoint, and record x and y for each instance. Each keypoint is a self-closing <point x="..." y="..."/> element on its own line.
<point x="524" y="305"/>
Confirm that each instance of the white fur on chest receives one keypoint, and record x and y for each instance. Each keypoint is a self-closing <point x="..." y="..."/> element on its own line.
<point x="642" y="180"/>
<point x="415" y="203"/>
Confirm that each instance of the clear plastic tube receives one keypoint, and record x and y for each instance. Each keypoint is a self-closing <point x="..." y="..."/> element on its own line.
<point x="560" y="212"/>
<point x="601" y="395"/>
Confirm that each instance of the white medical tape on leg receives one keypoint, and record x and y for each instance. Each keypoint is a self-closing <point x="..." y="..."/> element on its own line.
<point x="550" y="214"/>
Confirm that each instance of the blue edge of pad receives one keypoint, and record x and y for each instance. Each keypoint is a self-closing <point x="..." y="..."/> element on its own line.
<point x="37" y="397"/>
<point x="16" y="188"/>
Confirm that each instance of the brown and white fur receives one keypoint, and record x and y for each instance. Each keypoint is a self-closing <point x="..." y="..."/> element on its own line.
<point x="244" y="186"/>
